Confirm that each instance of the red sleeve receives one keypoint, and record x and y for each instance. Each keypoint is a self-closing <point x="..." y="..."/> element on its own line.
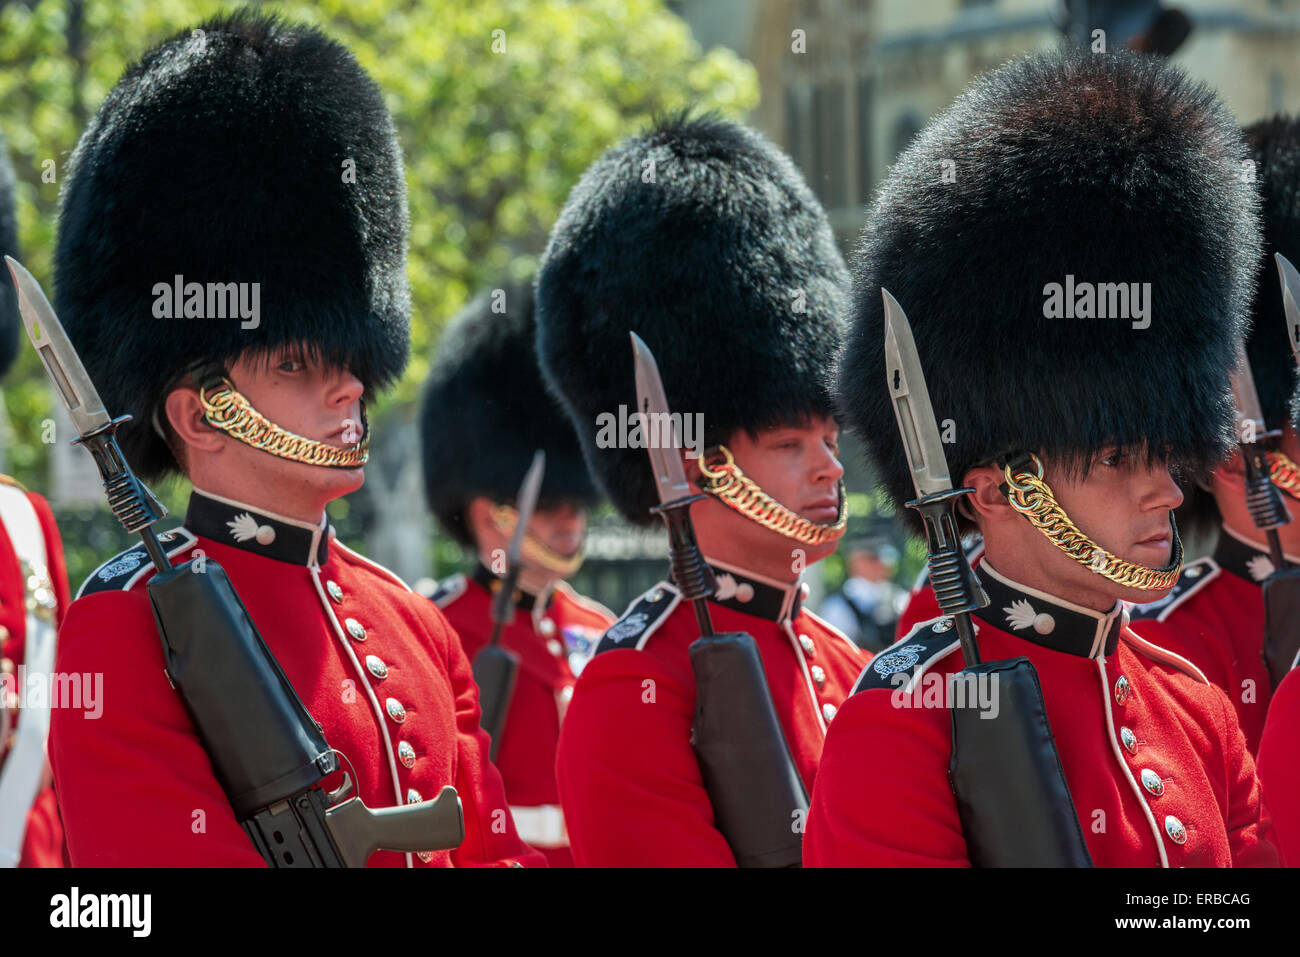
<point x="490" y="836"/>
<point x="903" y="817"/>
<point x="54" y="559"/>
<point x="629" y="781"/>
<point x="1279" y="769"/>
<point x="1249" y="826"/>
<point x="135" y="786"/>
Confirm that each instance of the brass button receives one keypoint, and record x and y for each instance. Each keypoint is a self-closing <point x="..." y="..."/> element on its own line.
<point x="942" y="625"/>
<point x="395" y="710"/>
<point x="6" y="666"/>
<point x="546" y="627"/>
<point x="807" y="645"/>
<point x="355" y="629"/>
<point x="828" y="711"/>
<point x="1174" y="828"/>
<point x="4" y="633"/>
<point x="377" y="666"/>
<point x="555" y="648"/>
<point x="656" y="595"/>
<point x="425" y="856"/>
<point x="1121" y="690"/>
<point x="818" y="675"/>
<point x="1194" y="571"/>
<point x="1151" y="781"/>
<point x="804" y="590"/>
<point x="1129" y="740"/>
<point x="406" y="754"/>
<point x="335" y="591"/>
<point x="413" y="796"/>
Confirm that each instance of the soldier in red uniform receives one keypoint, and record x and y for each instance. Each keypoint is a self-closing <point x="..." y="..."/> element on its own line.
<point x="701" y="237"/>
<point x="1279" y="772"/>
<point x="1073" y="419"/>
<point x="253" y="151"/>
<point x="1216" y="611"/>
<point x="485" y="412"/>
<point x="33" y="600"/>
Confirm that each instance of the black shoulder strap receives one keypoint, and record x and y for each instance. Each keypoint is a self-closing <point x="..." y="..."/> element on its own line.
<point x="448" y="590"/>
<point x="924" y="645"/>
<point x="125" y="568"/>
<point x="641" y="619"/>
<point x="1191" y="579"/>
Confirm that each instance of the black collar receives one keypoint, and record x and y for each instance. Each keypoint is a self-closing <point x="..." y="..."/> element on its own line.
<point x="254" y="530"/>
<point x="1051" y="622"/>
<point x="1249" y="562"/>
<point x="524" y="601"/>
<point x="743" y="591"/>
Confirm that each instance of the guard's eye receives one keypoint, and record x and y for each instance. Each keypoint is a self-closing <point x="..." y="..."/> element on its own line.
<point x="292" y="364"/>
<point x="1114" y="459"/>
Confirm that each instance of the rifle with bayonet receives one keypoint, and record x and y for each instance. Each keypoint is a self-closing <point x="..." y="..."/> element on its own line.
<point x="745" y="760"/>
<point x="496" y="669"/>
<point x="269" y="754"/>
<point x="1281" y="588"/>
<point x="1012" y="796"/>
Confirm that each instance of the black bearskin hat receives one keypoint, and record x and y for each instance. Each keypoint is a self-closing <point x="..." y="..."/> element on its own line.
<point x="10" y="321"/>
<point x="702" y="238"/>
<point x="486" y="411"/>
<point x="1274" y="146"/>
<point x="247" y="150"/>
<point x="1064" y="168"/>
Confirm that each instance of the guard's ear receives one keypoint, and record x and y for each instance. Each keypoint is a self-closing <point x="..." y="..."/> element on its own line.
<point x="987" y="503"/>
<point x="478" y="518"/>
<point x="1231" y="472"/>
<point x="184" y="414"/>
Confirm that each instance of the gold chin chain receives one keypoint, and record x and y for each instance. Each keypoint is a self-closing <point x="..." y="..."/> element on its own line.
<point x="1285" y="473"/>
<point x="738" y="491"/>
<point x="535" y="552"/>
<point x="1033" y="498"/>
<point x="226" y="409"/>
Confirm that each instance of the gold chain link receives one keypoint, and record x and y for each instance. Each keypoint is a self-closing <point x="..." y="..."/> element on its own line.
<point x="738" y="491"/>
<point x="226" y="409"/>
<point x="535" y="552"/>
<point x="1285" y="473"/>
<point x="1033" y="498"/>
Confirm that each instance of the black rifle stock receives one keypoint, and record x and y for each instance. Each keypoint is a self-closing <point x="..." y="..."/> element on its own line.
<point x="267" y="751"/>
<point x="1012" y="796"/>
<point x="759" y="801"/>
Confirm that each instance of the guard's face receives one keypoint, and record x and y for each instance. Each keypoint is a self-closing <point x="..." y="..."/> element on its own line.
<point x="1123" y="505"/>
<point x="307" y="398"/>
<point x="797" y="465"/>
<point x="1229" y="486"/>
<point x="559" y="527"/>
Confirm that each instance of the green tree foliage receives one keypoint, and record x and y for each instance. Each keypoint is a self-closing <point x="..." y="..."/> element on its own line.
<point x="500" y="105"/>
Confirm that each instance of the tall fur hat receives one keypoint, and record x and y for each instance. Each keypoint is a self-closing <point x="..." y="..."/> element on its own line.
<point x="486" y="411"/>
<point x="1113" y="168"/>
<point x="247" y="150"/>
<point x="700" y="236"/>
<point x="10" y="321"/>
<point x="1274" y="146"/>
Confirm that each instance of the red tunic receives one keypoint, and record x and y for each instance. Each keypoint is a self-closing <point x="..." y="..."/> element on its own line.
<point x="375" y="664"/>
<point x="1215" y="619"/>
<point x="42" y="844"/>
<point x="629" y="780"/>
<point x="1155" y="760"/>
<point x="1279" y="771"/>
<point x="553" y="636"/>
